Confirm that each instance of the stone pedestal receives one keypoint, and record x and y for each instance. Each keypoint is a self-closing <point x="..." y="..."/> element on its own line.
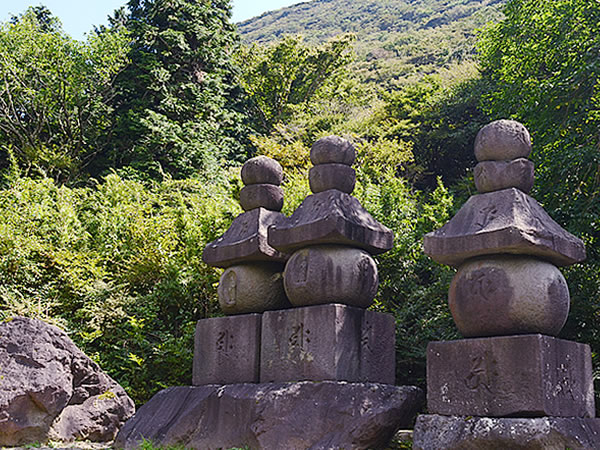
<point x="434" y="432"/>
<point x="518" y="376"/>
<point x="328" y="342"/>
<point x="317" y="415"/>
<point x="227" y="350"/>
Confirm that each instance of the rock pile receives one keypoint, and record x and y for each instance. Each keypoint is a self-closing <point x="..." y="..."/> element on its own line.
<point x="509" y="297"/>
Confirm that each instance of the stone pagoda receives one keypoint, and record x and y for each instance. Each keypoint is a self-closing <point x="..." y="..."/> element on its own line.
<point x="511" y="383"/>
<point x="297" y="362"/>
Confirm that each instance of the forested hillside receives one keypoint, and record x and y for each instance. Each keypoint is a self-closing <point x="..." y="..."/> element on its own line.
<point x="396" y="40"/>
<point x="120" y="155"/>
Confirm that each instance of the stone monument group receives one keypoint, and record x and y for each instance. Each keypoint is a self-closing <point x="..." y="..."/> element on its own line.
<point x="299" y="361"/>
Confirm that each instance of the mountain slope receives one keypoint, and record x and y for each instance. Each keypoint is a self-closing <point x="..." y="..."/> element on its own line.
<point x="396" y="39"/>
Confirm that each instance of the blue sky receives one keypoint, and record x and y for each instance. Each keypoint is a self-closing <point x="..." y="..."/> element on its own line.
<point x="78" y="16"/>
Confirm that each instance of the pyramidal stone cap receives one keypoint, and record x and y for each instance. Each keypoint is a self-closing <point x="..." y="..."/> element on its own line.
<point x="332" y="149"/>
<point x="502" y="140"/>
<point x="245" y="241"/>
<point x="506" y="221"/>
<point x="331" y="217"/>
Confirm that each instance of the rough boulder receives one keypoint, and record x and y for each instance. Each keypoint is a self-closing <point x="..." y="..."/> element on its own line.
<point x="49" y="389"/>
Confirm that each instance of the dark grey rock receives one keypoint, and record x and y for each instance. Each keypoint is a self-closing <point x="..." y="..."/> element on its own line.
<point x="331" y="217"/>
<point x="332" y="176"/>
<point x="504" y="295"/>
<point x="507" y="221"/>
<point x="227" y="350"/>
<point x="434" y="432"/>
<point x="332" y="149"/>
<point x="262" y="170"/>
<point x="308" y="415"/>
<point x="327" y="342"/>
<point x="50" y="389"/>
<point x="245" y="241"/>
<point x="252" y="288"/>
<point x="519" y="376"/>
<point x="322" y="274"/>
<point x="502" y="140"/>
<point x="497" y="175"/>
<point x="266" y="196"/>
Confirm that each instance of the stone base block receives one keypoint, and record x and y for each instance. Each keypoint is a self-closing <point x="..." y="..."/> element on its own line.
<point x="274" y="416"/>
<point x="227" y="350"/>
<point x="328" y="342"/>
<point x="518" y="376"/>
<point x="434" y="432"/>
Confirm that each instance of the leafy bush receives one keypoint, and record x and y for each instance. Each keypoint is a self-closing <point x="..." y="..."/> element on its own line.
<point x="119" y="266"/>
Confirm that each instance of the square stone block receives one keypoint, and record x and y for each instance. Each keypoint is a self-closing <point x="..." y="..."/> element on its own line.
<point x="328" y="342"/>
<point x="510" y="376"/>
<point x="227" y="350"/>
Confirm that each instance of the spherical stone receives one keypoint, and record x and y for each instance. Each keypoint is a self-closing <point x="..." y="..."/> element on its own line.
<point x="266" y="196"/>
<point x="262" y="170"/>
<point x="331" y="274"/>
<point x="505" y="295"/>
<point x="252" y="288"/>
<point x="497" y="175"/>
<point x="333" y="149"/>
<point x="502" y="140"/>
<point x="332" y="176"/>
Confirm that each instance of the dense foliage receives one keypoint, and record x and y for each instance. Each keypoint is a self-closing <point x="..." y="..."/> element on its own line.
<point x="55" y="95"/>
<point x="120" y="155"/>
<point x="179" y="106"/>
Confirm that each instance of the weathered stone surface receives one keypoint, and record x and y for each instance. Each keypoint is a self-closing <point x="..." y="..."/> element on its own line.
<point x="227" y="350"/>
<point x="262" y="170"/>
<point x="266" y="196"/>
<point x="502" y="140"/>
<point x="323" y="415"/>
<point x="331" y="217"/>
<point x="327" y="342"/>
<point x="497" y="175"/>
<point x="331" y="274"/>
<point x="49" y="388"/>
<point x="434" y="432"/>
<point x="503" y="295"/>
<point x="252" y="288"/>
<point x="518" y="376"/>
<point x="332" y="149"/>
<point x="245" y="240"/>
<point x="332" y="176"/>
<point x="507" y="221"/>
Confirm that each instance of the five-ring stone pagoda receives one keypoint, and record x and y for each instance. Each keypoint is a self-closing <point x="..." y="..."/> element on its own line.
<point x="511" y="383"/>
<point x="297" y="361"/>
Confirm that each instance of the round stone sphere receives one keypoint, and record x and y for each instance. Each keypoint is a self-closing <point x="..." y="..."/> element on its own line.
<point x="502" y="140"/>
<point x="503" y="295"/>
<point x="332" y="176"/>
<point x="333" y="149"/>
<point x="252" y="288"/>
<point x="331" y="274"/>
<point x="262" y="170"/>
<point x="266" y="196"/>
<point x="493" y="176"/>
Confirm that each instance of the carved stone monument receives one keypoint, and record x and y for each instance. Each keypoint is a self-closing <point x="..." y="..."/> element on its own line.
<point x="509" y="298"/>
<point x="314" y="371"/>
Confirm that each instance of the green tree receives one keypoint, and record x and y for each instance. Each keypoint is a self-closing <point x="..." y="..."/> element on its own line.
<point x="285" y="77"/>
<point x="180" y="107"/>
<point x="55" y="94"/>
